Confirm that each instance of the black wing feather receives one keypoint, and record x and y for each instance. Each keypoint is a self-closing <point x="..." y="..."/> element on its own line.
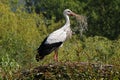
<point x="46" y="49"/>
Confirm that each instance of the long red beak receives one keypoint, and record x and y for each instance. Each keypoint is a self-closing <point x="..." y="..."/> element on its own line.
<point x="72" y="14"/>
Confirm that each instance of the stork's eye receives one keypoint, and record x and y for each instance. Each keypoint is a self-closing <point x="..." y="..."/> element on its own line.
<point x="68" y="11"/>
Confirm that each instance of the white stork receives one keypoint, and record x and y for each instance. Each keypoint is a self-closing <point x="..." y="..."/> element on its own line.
<point x="53" y="41"/>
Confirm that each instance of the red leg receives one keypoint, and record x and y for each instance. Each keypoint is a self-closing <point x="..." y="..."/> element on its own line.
<point x="56" y="56"/>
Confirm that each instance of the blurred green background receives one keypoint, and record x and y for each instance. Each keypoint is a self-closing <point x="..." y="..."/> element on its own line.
<point x="25" y="23"/>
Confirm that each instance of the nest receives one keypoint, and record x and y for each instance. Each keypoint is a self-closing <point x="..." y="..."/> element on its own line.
<point x="82" y="23"/>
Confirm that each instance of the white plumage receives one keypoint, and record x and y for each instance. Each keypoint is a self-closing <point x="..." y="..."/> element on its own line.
<point x="56" y="38"/>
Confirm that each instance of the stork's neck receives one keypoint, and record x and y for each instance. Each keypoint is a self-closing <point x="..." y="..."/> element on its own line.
<point x="67" y="24"/>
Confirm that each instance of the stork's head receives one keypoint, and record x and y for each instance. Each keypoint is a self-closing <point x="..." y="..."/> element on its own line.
<point x="68" y="12"/>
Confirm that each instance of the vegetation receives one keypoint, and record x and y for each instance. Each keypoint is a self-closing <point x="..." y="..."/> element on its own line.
<point x="23" y="28"/>
<point x="102" y="15"/>
<point x="69" y="70"/>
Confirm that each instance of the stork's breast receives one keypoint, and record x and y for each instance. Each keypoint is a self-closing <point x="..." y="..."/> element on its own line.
<point x="69" y="33"/>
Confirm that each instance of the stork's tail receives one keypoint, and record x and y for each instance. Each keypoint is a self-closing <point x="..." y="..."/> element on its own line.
<point x="38" y="57"/>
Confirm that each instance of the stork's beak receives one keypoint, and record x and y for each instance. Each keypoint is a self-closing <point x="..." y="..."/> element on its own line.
<point x="72" y="14"/>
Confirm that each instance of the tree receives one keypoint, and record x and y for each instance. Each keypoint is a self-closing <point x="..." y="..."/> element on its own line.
<point x="104" y="20"/>
<point x="103" y="15"/>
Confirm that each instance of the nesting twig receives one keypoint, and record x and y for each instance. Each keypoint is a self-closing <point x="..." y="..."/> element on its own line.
<point x="82" y="23"/>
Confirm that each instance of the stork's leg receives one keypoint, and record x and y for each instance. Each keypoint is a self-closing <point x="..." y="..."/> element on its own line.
<point x="56" y="55"/>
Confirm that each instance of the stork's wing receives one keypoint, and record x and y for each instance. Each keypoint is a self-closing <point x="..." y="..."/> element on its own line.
<point x="45" y="49"/>
<point x="56" y="36"/>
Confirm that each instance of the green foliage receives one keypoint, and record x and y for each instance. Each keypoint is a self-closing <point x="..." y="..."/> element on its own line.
<point x="99" y="48"/>
<point x="54" y="8"/>
<point x="9" y="66"/>
<point x="102" y="15"/>
<point x="18" y="34"/>
<point x="21" y="34"/>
